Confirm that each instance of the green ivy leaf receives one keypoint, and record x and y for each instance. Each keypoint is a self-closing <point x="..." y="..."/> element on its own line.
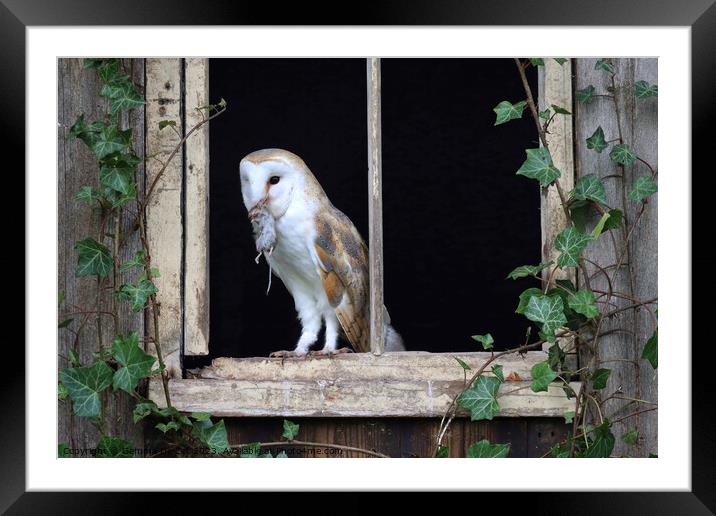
<point x="84" y="385"/>
<point x="538" y="165"/>
<point x="616" y="217"/>
<point x="484" y="450"/>
<point x="571" y="243"/>
<point x="547" y="310"/>
<point x="122" y="94"/>
<point x="621" y="153"/>
<point x="566" y="284"/>
<point x="63" y="451"/>
<point x="110" y="139"/>
<point x="524" y="271"/>
<point x="463" y="364"/>
<point x="580" y="213"/>
<point x="90" y="63"/>
<point x="583" y="302"/>
<point x="481" y="398"/>
<point x="215" y="437"/>
<point x="597" y="141"/>
<point x="201" y="416"/>
<point x="114" y="448"/>
<point x="651" y="349"/>
<point x="499" y="373"/>
<point x="62" y="392"/>
<point x="136" y="363"/>
<point x="108" y="70"/>
<point x="89" y="194"/>
<point x="166" y="427"/>
<point x="644" y="186"/>
<point x="590" y="188"/>
<point x="507" y="111"/>
<point x="137" y="294"/>
<point x="603" y="442"/>
<point x="600" y="377"/>
<point x="74" y="358"/>
<point x="600" y="226"/>
<point x="290" y="430"/>
<point x="65" y="323"/>
<point x="143" y="409"/>
<point x="544" y="115"/>
<point x="536" y="61"/>
<point x="569" y="416"/>
<point x="167" y="123"/>
<point x="93" y="258"/>
<point x="138" y="261"/>
<point x="486" y="340"/>
<point x="443" y="452"/>
<point x="643" y="89"/>
<point x="604" y="64"/>
<point x="525" y="298"/>
<point x="560" y="60"/>
<point x="585" y="95"/>
<point x="559" y="452"/>
<point x="542" y="376"/>
<point x="560" y="110"/>
<point x="119" y="179"/>
<point x="555" y="357"/>
<point x="281" y="455"/>
<point x="631" y="437"/>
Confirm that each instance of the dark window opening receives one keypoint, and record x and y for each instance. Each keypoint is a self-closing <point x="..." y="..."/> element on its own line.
<point x="456" y="218"/>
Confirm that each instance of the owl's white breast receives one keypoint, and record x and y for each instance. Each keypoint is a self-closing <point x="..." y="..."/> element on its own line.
<point x="292" y="259"/>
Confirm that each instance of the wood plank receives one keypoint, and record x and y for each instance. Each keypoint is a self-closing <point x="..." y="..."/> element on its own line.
<point x="78" y="92"/>
<point x="347" y="398"/>
<point x="398" y="437"/>
<point x="375" y="208"/>
<point x="391" y="385"/>
<point x="418" y="366"/>
<point x="555" y="87"/>
<point x="163" y="211"/>
<point x="639" y="127"/>
<point x="196" y="211"/>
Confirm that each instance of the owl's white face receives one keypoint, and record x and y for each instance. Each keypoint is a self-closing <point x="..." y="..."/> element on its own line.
<point x="273" y="182"/>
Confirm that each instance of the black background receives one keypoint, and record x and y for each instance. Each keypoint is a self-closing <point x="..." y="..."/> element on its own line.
<point x="456" y="217"/>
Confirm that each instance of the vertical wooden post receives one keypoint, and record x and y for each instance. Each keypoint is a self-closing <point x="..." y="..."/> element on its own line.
<point x="375" y="208"/>
<point x="555" y="88"/>
<point x="165" y="226"/>
<point x="196" y="210"/>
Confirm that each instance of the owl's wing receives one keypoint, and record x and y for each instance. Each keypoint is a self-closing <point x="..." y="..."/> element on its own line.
<point x="342" y="260"/>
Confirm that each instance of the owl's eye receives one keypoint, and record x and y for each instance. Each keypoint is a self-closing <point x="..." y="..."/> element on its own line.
<point x="274" y="180"/>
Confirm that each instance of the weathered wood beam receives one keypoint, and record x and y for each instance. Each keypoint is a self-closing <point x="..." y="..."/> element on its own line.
<point x="375" y="208"/>
<point x="361" y="385"/>
<point x="196" y="210"/>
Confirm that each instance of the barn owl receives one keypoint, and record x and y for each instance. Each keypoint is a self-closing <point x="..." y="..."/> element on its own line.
<point x="314" y="249"/>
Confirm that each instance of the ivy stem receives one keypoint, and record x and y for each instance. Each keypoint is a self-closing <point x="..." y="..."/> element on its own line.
<point x="154" y="309"/>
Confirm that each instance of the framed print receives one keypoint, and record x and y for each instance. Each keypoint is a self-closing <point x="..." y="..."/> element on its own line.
<point x="409" y="240"/>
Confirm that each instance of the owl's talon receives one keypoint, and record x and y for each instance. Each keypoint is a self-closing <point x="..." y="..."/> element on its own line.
<point x="284" y="354"/>
<point x="330" y="353"/>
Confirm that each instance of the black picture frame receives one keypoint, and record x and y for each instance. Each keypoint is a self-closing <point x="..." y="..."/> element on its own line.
<point x="700" y="15"/>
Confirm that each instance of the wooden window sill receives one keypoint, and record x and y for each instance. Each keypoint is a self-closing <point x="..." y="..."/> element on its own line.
<point x="404" y="384"/>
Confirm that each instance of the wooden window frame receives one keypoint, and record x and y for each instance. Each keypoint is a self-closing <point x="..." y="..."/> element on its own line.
<point x="376" y="384"/>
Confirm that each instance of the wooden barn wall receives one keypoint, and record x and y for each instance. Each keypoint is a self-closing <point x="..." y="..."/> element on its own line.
<point x="78" y="92"/>
<point x="621" y="352"/>
<point x="401" y="437"/>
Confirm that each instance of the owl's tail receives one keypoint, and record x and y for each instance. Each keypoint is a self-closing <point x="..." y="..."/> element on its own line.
<point x="393" y="340"/>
